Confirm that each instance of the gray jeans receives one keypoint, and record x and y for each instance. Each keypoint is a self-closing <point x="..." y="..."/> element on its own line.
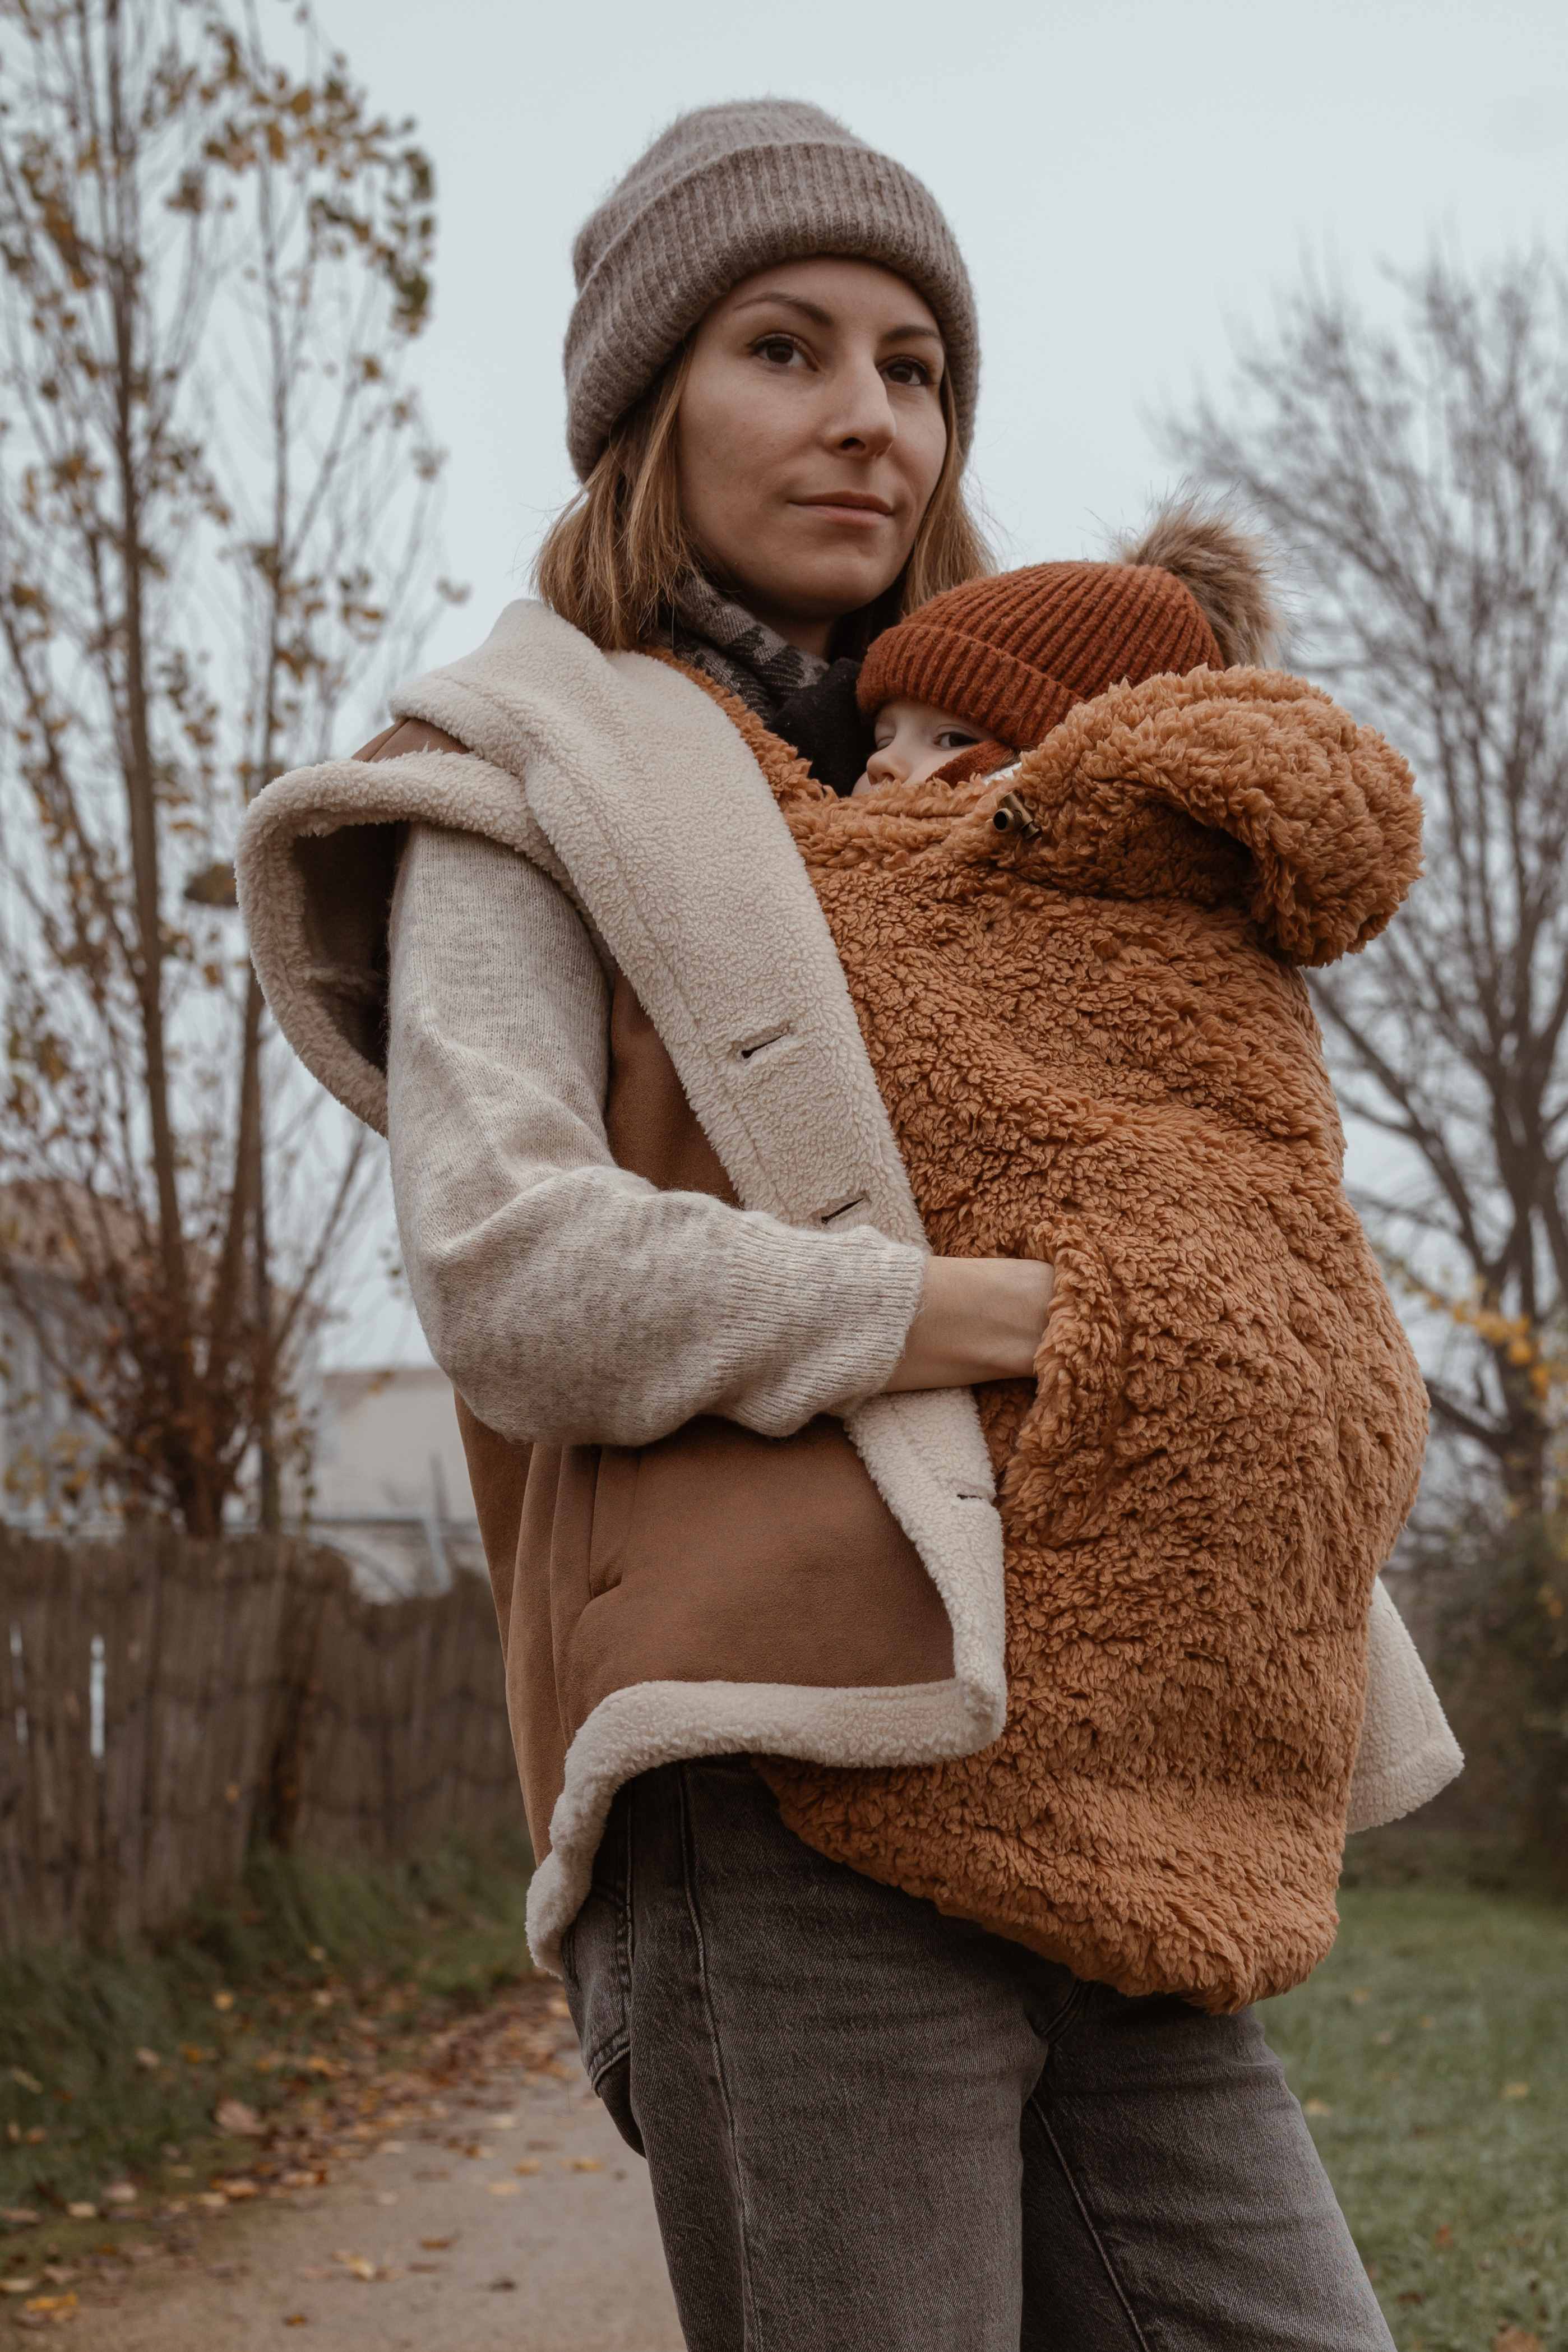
<point x="871" y="2125"/>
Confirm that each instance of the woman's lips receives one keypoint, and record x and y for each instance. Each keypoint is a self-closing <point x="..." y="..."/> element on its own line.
<point x="849" y="507"/>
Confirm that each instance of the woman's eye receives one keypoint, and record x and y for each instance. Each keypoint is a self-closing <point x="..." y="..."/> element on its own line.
<point x="910" y="371"/>
<point x="777" y="349"/>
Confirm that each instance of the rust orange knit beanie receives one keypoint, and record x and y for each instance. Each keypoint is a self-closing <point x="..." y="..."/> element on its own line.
<point x="1013" y="654"/>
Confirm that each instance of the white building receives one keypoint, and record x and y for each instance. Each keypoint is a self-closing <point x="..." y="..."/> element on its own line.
<point x="390" y="1487"/>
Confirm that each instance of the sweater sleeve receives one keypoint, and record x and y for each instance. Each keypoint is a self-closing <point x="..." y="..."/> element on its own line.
<point x="566" y="1298"/>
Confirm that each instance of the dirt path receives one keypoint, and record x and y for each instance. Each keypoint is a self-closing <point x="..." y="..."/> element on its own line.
<point x="512" y="2216"/>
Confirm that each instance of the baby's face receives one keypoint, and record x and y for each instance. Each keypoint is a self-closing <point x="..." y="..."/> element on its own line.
<point x="913" y="740"/>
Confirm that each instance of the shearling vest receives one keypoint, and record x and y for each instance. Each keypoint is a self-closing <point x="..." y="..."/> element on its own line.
<point x="714" y="1555"/>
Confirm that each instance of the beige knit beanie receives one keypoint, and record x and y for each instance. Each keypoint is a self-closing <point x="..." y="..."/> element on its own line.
<point x="726" y="191"/>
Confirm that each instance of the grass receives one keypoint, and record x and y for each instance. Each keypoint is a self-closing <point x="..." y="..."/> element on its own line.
<point x="113" y="2063"/>
<point x="1431" y="2052"/>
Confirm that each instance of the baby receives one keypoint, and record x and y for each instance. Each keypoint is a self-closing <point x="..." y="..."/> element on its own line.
<point x="993" y="667"/>
<point x="1079" y="985"/>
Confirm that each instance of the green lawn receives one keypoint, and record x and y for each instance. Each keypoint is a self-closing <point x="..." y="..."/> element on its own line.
<point x="1431" y="2052"/>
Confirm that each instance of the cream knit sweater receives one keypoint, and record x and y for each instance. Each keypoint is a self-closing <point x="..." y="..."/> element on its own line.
<point x="568" y="1299"/>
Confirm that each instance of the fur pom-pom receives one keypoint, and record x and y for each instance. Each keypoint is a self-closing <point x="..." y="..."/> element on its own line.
<point x="1224" y="569"/>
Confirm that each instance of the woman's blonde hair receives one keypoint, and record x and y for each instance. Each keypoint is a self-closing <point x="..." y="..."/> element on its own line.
<point x="611" y="560"/>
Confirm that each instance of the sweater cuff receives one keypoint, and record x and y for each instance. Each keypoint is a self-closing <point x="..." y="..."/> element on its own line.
<point x="837" y="1311"/>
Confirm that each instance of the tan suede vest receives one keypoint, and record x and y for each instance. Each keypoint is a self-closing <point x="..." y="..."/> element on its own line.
<point x="715" y="1555"/>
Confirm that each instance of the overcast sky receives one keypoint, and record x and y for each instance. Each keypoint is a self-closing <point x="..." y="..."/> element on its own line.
<point x="1130" y="182"/>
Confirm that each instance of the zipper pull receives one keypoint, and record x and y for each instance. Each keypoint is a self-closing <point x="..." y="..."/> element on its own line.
<point x="1009" y="815"/>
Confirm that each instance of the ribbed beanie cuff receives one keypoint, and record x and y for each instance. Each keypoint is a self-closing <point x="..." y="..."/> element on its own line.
<point x="727" y="191"/>
<point x="983" y="685"/>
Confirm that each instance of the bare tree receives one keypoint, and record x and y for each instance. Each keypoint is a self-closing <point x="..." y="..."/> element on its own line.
<point x="1418" y="476"/>
<point x="216" y="510"/>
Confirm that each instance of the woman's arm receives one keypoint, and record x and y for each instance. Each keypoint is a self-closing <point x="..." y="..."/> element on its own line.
<point x="566" y="1297"/>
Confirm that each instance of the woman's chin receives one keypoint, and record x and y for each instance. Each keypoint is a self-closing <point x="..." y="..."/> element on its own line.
<point x="837" y="585"/>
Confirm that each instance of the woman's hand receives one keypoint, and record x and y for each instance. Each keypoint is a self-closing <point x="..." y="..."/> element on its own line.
<point x="979" y="1319"/>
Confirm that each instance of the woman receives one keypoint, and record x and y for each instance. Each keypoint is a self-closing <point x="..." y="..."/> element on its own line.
<point x="714" y="1389"/>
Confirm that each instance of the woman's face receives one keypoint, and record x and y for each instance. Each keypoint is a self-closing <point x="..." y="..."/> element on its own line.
<point x="809" y="438"/>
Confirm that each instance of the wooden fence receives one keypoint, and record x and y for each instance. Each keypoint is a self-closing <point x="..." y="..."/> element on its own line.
<point x="162" y="1703"/>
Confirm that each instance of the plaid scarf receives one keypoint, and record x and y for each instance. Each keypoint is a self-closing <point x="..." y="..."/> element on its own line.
<point x="738" y="652"/>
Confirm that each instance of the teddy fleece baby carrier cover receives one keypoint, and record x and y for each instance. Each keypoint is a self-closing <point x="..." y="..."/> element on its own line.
<point x="1079" y="985"/>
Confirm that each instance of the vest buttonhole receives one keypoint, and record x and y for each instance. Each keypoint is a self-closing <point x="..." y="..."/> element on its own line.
<point x="748" y="1048"/>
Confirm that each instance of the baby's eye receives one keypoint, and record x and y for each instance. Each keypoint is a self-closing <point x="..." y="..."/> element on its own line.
<point x="955" y="739"/>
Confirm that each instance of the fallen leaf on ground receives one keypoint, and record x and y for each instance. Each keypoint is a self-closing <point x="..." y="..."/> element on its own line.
<point x="232" y="2116"/>
<point x="213" y="2199"/>
<point x="52" y="2302"/>
<point x="80" y="2211"/>
<point x="1425" y="2023"/>
<point x="122" y="2192"/>
<point x="1515" y="2091"/>
<point x="223" y="2000"/>
<point x="28" y="2082"/>
<point x="502" y="2187"/>
<point x="1443" y="2236"/>
<point x="1317" y="2107"/>
<point x="529" y="2164"/>
<point x="295" y="2319"/>
<point x="150" y="2059"/>
<point x="359" y="2266"/>
<point x="1516" y="2339"/>
<point x="1361" y="1996"/>
<point x="593" y="2163"/>
<point x="435" y="2245"/>
<point x="17" y="2286"/>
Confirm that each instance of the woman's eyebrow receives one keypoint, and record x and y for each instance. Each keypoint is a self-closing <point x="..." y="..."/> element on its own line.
<point x="820" y="317"/>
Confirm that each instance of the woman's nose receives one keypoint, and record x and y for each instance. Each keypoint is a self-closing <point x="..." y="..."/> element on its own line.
<point x="862" y="420"/>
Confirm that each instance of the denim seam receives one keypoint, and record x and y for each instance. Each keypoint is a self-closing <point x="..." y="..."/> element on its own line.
<point x="752" y="2339"/>
<point x="1078" y="1993"/>
<point x="619" y="2045"/>
<point x="1100" y="2246"/>
<point x="624" y="1928"/>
